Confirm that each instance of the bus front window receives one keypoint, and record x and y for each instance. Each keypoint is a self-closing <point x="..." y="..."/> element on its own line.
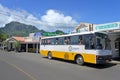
<point x="102" y="41"/>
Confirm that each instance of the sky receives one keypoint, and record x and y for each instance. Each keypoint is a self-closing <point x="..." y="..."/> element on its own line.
<point x="65" y="15"/>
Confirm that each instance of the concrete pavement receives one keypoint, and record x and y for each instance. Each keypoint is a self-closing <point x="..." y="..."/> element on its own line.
<point x="31" y="64"/>
<point x="115" y="61"/>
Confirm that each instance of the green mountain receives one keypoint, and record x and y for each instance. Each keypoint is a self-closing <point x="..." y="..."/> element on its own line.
<point x="23" y="30"/>
<point x="18" y="29"/>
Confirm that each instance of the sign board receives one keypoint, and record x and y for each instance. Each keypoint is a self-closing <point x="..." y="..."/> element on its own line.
<point x="38" y="34"/>
<point x="85" y="29"/>
<point x="105" y="27"/>
<point x="49" y="34"/>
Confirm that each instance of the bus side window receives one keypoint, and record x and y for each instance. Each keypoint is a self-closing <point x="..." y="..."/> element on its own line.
<point x="48" y="41"/>
<point x="42" y="41"/>
<point x="52" y="41"/>
<point x="80" y="40"/>
<point x="56" y="41"/>
<point x="86" y="41"/>
<point x="89" y="41"/>
<point x="74" y="40"/>
<point x="69" y="40"/>
<point x="61" y="41"/>
<point x="65" y="41"/>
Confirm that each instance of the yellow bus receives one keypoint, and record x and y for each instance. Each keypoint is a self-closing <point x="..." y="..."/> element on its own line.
<point x="87" y="47"/>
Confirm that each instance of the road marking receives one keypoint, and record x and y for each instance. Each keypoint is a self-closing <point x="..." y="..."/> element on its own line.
<point x="19" y="69"/>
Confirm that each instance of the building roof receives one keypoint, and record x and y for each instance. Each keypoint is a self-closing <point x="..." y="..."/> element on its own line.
<point x="21" y="39"/>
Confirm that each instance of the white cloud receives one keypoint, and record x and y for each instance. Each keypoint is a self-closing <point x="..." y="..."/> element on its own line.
<point x="52" y="20"/>
<point x="56" y="20"/>
<point x="8" y="15"/>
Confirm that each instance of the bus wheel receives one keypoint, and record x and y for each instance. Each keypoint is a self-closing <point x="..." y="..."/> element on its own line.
<point x="49" y="55"/>
<point x="79" y="60"/>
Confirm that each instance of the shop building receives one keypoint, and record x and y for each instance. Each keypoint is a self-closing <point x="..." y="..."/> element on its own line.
<point x="113" y="30"/>
<point x="23" y="44"/>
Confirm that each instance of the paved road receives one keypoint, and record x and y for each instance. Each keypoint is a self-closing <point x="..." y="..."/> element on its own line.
<point x="29" y="66"/>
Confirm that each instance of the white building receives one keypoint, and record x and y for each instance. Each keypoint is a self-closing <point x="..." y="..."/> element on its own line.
<point x="113" y="29"/>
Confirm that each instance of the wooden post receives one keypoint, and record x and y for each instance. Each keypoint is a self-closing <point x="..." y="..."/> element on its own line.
<point x="37" y="48"/>
<point x="26" y="47"/>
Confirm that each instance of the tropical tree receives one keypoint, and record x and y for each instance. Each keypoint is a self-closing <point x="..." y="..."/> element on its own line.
<point x="16" y="45"/>
<point x="2" y="37"/>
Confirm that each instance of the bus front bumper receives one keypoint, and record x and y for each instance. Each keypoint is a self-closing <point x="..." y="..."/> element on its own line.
<point x="103" y="59"/>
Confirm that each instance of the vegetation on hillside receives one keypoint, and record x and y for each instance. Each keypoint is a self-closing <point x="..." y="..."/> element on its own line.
<point x="18" y="29"/>
<point x="23" y="30"/>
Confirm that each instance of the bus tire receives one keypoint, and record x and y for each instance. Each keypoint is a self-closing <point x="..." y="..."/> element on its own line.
<point x="49" y="55"/>
<point x="79" y="60"/>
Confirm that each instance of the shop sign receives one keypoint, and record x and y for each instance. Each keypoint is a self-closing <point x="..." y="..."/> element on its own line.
<point x="86" y="29"/>
<point x="39" y="34"/>
<point x="110" y="26"/>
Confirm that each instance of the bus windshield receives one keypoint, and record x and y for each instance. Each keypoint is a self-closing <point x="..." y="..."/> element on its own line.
<point x="102" y="41"/>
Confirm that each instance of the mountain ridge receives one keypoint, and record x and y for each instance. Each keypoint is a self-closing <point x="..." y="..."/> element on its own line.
<point x="18" y="29"/>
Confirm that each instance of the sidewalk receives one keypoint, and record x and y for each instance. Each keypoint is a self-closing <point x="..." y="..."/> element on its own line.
<point x="115" y="61"/>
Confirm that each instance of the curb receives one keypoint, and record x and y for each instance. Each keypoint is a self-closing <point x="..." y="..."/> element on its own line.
<point x="115" y="62"/>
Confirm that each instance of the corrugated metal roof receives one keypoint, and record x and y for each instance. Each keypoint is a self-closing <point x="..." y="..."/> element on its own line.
<point x="21" y="39"/>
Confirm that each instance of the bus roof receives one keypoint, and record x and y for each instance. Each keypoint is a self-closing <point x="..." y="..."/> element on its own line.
<point x="72" y="34"/>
